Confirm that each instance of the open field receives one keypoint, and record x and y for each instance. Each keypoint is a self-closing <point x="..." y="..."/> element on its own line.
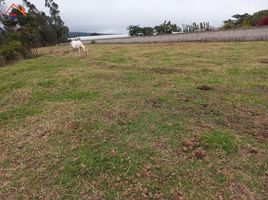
<point x="154" y="121"/>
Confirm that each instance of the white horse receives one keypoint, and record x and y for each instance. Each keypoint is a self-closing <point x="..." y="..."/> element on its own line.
<point x="78" y="45"/>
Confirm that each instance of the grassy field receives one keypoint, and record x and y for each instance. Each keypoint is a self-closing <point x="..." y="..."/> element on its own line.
<point x="155" y="121"/>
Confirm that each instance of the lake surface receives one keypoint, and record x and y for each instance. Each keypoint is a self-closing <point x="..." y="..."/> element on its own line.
<point x="88" y="38"/>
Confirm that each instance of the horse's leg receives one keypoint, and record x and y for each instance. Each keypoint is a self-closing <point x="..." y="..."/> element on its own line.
<point x="73" y="50"/>
<point x="79" y="51"/>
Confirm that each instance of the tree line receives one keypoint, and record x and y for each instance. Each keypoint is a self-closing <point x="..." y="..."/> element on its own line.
<point x="246" y="20"/>
<point x="167" y="27"/>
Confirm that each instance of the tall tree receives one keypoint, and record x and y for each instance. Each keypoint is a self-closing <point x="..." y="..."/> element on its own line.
<point x="37" y="28"/>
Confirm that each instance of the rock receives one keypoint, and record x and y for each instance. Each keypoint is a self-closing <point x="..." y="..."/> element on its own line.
<point x="185" y="149"/>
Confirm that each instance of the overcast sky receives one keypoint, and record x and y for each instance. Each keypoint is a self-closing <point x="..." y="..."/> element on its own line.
<point x="116" y="15"/>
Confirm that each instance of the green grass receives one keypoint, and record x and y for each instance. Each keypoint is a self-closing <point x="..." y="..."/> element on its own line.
<point x="219" y="140"/>
<point x="115" y="124"/>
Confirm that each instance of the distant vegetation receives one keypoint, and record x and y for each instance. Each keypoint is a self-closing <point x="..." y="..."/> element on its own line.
<point x="35" y="29"/>
<point x="246" y="20"/>
<point x="166" y="28"/>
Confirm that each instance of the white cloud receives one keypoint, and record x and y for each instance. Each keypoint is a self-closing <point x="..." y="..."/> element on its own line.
<point x="116" y="15"/>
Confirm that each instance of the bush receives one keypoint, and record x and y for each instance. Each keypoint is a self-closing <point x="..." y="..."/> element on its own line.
<point x="263" y="22"/>
<point x="228" y="26"/>
<point x="13" y="50"/>
<point x="2" y="60"/>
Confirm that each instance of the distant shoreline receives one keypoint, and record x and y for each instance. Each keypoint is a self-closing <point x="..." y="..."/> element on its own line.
<point x="99" y="37"/>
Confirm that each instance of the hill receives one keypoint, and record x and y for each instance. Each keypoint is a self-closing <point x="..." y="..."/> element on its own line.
<point x="139" y="121"/>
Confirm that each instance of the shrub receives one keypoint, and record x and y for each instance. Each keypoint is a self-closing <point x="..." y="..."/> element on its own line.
<point x="14" y="50"/>
<point x="263" y="21"/>
<point x="228" y="26"/>
<point x="2" y="60"/>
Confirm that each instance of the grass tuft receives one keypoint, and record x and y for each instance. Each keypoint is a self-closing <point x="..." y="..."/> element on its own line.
<point x="219" y="139"/>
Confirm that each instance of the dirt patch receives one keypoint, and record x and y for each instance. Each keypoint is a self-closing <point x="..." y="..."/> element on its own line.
<point x="248" y="121"/>
<point x="122" y="67"/>
<point x="73" y="126"/>
<point x="239" y="191"/>
<point x="191" y="143"/>
<point x="200" y="154"/>
<point x="160" y="146"/>
<point x="264" y="61"/>
<point x="204" y="88"/>
<point x="166" y="70"/>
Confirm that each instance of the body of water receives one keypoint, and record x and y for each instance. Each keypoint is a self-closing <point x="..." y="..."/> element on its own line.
<point x="89" y="38"/>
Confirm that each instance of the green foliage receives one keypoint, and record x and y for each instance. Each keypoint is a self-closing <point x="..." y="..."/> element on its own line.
<point x="228" y="26"/>
<point x="245" y="20"/>
<point x="166" y="28"/>
<point x="147" y="31"/>
<point x="2" y="37"/>
<point x="13" y="50"/>
<point x="246" y="23"/>
<point x="37" y="28"/>
<point x="219" y="140"/>
<point x="135" y="30"/>
<point x="256" y="17"/>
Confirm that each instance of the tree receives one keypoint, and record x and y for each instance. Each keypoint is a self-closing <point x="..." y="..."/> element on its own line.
<point x="2" y="37"/>
<point x="56" y="21"/>
<point x="135" y="30"/>
<point x="148" y="31"/>
<point x="239" y="19"/>
<point x="37" y="28"/>
<point x="203" y="26"/>
<point x="245" y="20"/>
<point x="246" y="23"/>
<point x="166" y="28"/>
<point x="263" y="22"/>
<point x="256" y="17"/>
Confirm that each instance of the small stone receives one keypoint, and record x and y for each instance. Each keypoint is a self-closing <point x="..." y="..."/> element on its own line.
<point x="185" y="149"/>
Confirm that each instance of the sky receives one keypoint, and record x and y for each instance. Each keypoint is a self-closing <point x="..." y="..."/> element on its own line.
<point x="113" y="16"/>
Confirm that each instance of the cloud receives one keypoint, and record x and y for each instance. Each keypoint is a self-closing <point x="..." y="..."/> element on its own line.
<point x="116" y="15"/>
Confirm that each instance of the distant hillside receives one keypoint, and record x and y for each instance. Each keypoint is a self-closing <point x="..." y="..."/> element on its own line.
<point x="81" y="34"/>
